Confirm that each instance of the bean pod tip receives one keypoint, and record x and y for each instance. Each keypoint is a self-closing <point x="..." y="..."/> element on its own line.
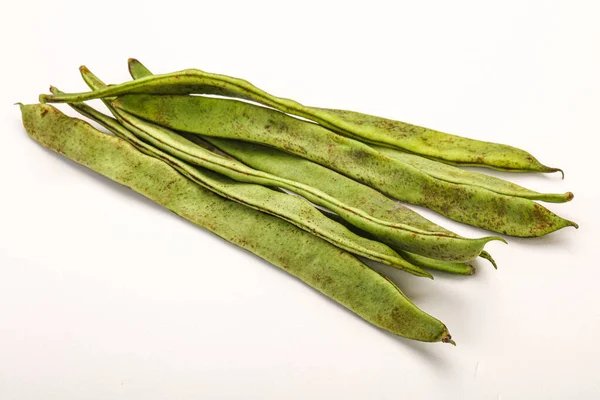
<point x="498" y="238"/>
<point x="569" y="195"/>
<point x="558" y="170"/>
<point x="446" y="338"/>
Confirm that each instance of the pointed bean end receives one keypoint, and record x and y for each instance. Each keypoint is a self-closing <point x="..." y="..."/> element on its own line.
<point x="557" y="170"/>
<point x="473" y="269"/>
<point x="418" y="272"/>
<point x="573" y="224"/>
<point x="83" y="69"/>
<point x="44" y="98"/>
<point x="21" y="105"/>
<point x="487" y="256"/>
<point x="446" y="338"/>
<point x="498" y="238"/>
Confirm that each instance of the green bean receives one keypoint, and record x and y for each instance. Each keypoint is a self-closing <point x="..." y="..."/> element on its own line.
<point x="453" y="174"/>
<point x="222" y="117"/>
<point x="429" y="143"/>
<point x="233" y="119"/>
<point x="298" y="169"/>
<point x="438" y="265"/>
<point x="289" y="208"/>
<point x="459" y="268"/>
<point x="370" y="195"/>
<point x="333" y="272"/>
<point x="313" y="174"/>
<point x="435" y="244"/>
<point x="295" y="168"/>
<point x="367" y="128"/>
<point x="207" y="179"/>
<point x="440" y="245"/>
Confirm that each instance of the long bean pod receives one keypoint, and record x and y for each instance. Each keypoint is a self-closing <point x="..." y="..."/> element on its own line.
<point x="442" y="245"/>
<point x="298" y="169"/>
<point x="301" y="170"/>
<point x="234" y="119"/>
<point x="289" y="208"/>
<point x="450" y="173"/>
<point x="432" y="244"/>
<point x="367" y="128"/>
<point x="333" y="272"/>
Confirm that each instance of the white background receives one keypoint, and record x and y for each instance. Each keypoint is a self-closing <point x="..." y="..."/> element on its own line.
<point x="104" y="295"/>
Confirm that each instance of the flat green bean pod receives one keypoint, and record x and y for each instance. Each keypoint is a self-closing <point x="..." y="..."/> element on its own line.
<point x="289" y="208"/>
<point x="453" y="174"/>
<point x="232" y="119"/>
<point x="333" y="272"/>
<point x="431" y="244"/>
<point x="429" y="143"/>
<point x="457" y="268"/>
<point x="289" y="166"/>
<point x="443" y="245"/>
<point x="367" y="128"/>
<point x="298" y="169"/>
<point x="431" y="167"/>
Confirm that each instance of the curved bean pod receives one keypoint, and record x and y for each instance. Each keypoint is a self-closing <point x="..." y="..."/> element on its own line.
<point x="394" y="238"/>
<point x="298" y="169"/>
<point x="234" y="119"/>
<point x="453" y="174"/>
<point x="432" y="244"/>
<point x="289" y="208"/>
<point x="335" y="273"/>
<point x="458" y="268"/>
<point x="440" y="146"/>
<point x="367" y="128"/>
<point x="438" y="265"/>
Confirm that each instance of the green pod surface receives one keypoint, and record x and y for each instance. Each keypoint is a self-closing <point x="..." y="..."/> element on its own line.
<point x="453" y="174"/>
<point x="352" y="193"/>
<point x="289" y="208"/>
<point x="232" y="119"/>
<point x="333" y="272"/>
<point x="455" y="268"/>
<point x="215" y="183"/>
<point x="425" y="239"/>
<point x="298" y="169"/>
<point x="429" y="143"/>
<point x="367" y="128"/>
<point x="431" y="244"/>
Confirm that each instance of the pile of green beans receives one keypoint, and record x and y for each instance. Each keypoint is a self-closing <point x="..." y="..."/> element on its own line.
<point x="308" y="196"/>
